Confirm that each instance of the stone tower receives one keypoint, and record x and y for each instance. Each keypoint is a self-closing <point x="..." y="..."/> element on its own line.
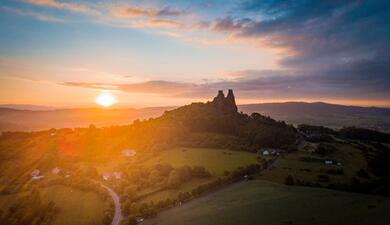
<point x="225" y="105"/>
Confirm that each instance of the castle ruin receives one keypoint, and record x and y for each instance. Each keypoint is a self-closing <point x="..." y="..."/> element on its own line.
<point x="225" y="105"/>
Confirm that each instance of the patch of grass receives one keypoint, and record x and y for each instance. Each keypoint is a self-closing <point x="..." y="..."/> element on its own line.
<point x="75" y="206"/>
<point x="172" y="193"/>
<point x="261" y="202"/>
<point x="214" y="160"/>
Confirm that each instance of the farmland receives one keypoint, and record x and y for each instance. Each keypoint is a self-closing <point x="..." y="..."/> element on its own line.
<point x="262" y="202"/>
<point x="294" y="164"/>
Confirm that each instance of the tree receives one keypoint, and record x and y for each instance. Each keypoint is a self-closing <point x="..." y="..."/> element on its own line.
<point x="131" y="221"/>
<point x="289" y="180"/>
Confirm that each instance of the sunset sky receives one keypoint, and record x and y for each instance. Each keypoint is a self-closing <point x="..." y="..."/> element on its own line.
<point x="150" y="53"/>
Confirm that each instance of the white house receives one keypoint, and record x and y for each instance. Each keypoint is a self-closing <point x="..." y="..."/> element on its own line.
<point x="139" y="219"/>
<point x="117" y="175"/>
<point x="129" y="152"/>
<point x="36" y="175"/>
<point x="328" y="162"/>
<point x="106" y="176"/>
<point x="35" y="172"/>
<point x="39" y="177"/>
<point x="56" y="171"/>
<point x="265" y="152"/>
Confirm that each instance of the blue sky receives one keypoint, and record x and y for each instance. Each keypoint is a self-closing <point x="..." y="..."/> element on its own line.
<point x="174" y="52"/>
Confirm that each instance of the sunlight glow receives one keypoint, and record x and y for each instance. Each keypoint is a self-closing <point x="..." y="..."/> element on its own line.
<point x="106" y="99"/>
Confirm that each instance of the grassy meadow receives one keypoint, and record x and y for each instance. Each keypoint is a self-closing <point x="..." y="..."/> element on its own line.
<point x="262" y="202"/>
<point x="214" y="160"/>
<point x="74" y="206"/>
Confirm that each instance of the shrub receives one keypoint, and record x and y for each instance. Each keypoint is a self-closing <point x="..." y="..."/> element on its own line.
<point x="289" y="180"/>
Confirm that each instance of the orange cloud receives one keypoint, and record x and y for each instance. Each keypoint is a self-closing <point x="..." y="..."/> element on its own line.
<point x="130" y="11"/>
<point x="62" y="5"/>
<point x="162" y="23"/>
<point x="152" y="87"/>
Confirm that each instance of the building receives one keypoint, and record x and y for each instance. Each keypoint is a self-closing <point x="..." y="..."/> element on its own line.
<point x="36" y="175"/>
<point x="56" y="171"/>
<point x="266" y="153"/>
<point x="106" y="176"/>
<point x="129" y="152"/>
<point x="225" y="105"/>
<point x="117" y="175"/>
<point x="35" y="172"/>
<point x="39" y="177"/>
<point x="328" y="162"/>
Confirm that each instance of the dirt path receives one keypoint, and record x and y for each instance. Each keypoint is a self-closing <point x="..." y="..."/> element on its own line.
<point x="118" y="217"/>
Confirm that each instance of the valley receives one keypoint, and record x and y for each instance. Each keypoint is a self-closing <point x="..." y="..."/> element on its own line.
<point x="197" y="160"/>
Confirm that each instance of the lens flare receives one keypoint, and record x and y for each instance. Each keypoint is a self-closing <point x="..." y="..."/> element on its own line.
<point x="106" y="99"/>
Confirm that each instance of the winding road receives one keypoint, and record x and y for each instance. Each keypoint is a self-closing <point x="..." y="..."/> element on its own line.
<point x="118" y="217"/>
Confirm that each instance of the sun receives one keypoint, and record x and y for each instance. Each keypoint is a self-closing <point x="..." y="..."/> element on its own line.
<point x="105" y="99"/>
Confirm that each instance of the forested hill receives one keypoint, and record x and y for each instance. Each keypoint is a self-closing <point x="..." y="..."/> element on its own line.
<point x="194" y="125"/>
<point x="200" y="120"/>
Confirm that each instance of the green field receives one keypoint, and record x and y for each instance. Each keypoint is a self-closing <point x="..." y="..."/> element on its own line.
<point x="172" y="193"/>
<point x="262" y="202"/>
<point x="75" y="206"/>
<point x="352" y="160"/>
<point x="214" y="160"/>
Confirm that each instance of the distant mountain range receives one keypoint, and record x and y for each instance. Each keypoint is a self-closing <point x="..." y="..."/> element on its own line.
<point x="22" y="119"/>
<point x="30" y="117"/>
<point x="324" y="114"/>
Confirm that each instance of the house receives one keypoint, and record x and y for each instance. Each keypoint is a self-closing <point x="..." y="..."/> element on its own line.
<point x="117" y="175"/>
<point x="328" y="162"/>
<point x="266" y="153"/>
<point x="35" y="172"/>
<point x="36" y="175"/>
<point x="106" y="176"/>
<point x="129" y="152"/>
<point x="56" y="171"/>
<point x="339" y="164"/>
<point x="39" y="177"/>
<point x="139" y="219"/>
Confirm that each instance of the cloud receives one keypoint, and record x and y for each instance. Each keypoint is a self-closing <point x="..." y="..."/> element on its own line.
<point x="344" y="44"/>
<point x="162" y="23"/>
<point x="335" y="48"/>
<point x="62" y="5"/>
<point x="319" y="32"/>
<point x="160" y="87"/>
<point x="130" y="11"/>
<point x="38" y="16"/>
<point x="123" y="16"/>
<point x="347" y="82"/>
